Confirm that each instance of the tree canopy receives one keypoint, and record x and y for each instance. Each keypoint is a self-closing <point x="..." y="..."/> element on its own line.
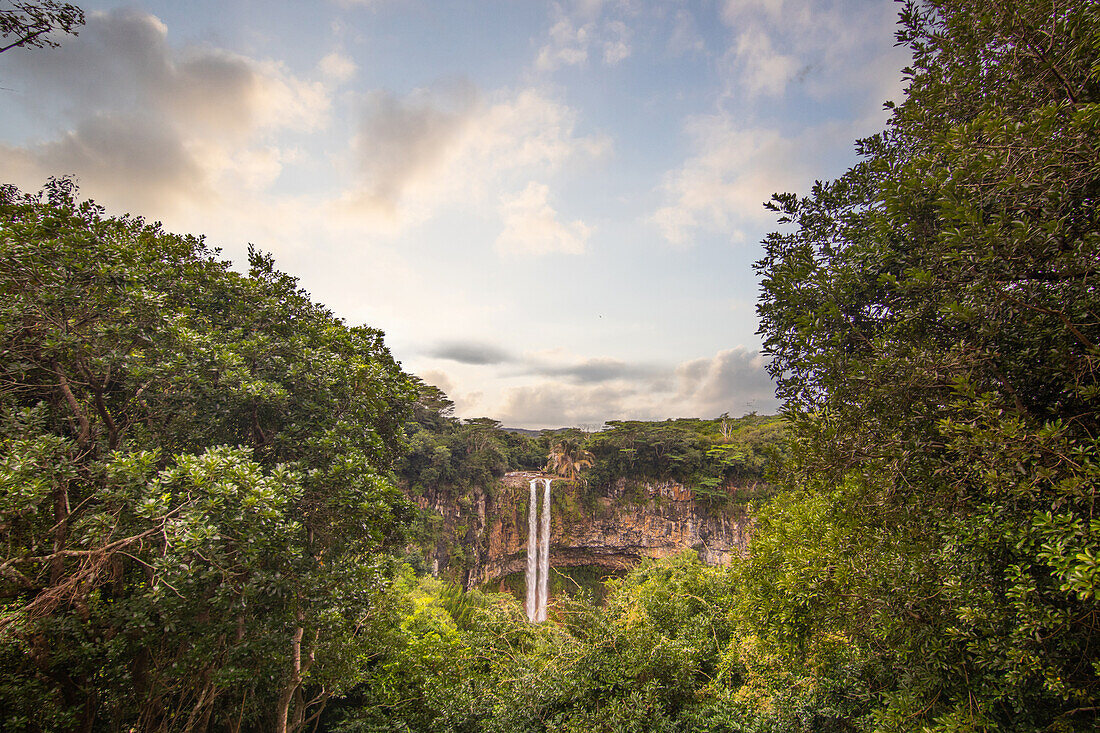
<point x="197" y="466"/>
<point x="934" y="319"/>
<point x="30" y="24"/>
<point x="193" y="483"/>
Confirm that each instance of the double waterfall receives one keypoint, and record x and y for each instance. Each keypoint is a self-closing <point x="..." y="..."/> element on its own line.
<point x="538" y="552"/>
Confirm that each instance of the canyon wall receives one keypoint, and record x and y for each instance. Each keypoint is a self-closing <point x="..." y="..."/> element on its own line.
<point x="483" y="534"/>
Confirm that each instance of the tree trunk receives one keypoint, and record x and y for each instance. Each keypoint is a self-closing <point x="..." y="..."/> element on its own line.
<point x="291" y="690"/>
<point x="61" y="511"/>
<point x="286" y="695"/>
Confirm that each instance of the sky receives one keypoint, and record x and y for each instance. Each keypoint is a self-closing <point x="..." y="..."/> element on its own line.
<point x="552" y="209"/>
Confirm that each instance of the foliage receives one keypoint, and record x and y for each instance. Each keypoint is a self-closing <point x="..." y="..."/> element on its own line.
<point x="30" y="24"/>
<point x="933" y="318"/>
<point x="709" y="455"/>
<point x="458" y="463"/>
<point x="454" y="456"/>
<point x="152" y="575"/>
<point x="567" y="459"/>
<point x="640" y="663"/>
<point x="192" y="463"/>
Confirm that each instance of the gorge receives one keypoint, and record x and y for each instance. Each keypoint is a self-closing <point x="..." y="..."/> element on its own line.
<point x="486" y="536"/>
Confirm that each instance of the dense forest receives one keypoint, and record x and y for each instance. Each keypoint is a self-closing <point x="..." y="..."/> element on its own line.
<point x="203" y="529"/>
<point x="468" y="517"/>
<point x="707" y="454"/>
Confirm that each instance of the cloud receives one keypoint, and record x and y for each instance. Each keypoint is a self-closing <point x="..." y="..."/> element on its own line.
<point x="438" y="379"/>
<point x="734" y="171"/>
<point x="465" y="403"/>
<point x="468" y="352"/>
<point x="685" y="38"/>
<point x="568" y="46"/>
<point x="148" y="127"/>
<point x="617" y="47"/>
<point x="529" y="129"/>
<point x="554" y="405"/>
<point x="734" y="380"/>
<point x="450" y="143"/>
<point x="738" y="12"/>
<point x="118" y="157"/>
<point x="823" y="47"/>
<point x="531" y="226"/>
<point x="404" y="141"/>
<point x="755" y="63"/>
<point x="763" y="70"/>
<point x="805" y="58"/>
<point x="590" y="371"/>
<point x="337" y="67"/>
<point x="369" y="4"/>
<point x="586" y="27"/>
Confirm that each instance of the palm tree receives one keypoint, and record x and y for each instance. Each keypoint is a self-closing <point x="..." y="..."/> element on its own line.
<point x="567" y="459"/>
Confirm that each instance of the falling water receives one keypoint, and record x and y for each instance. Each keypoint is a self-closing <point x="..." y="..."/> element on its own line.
<point x="532" y="554"/>
<point x="544" y="553"/>
<point x="538" y="553"/>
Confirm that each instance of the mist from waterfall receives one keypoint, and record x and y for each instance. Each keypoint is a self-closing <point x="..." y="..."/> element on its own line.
<point x="538" y="553"/>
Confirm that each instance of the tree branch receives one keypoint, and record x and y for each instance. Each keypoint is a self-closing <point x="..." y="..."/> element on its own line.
<point x="85" y="425"/>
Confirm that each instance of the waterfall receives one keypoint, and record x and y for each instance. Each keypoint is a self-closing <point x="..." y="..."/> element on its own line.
<point x="538" y="553"/>
<point x="544" y="553"/>
<point x="532" y="554"/>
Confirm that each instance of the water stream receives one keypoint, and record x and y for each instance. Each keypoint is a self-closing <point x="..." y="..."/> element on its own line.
<point x="538" y="552"/>
<point x="532" y="552"/>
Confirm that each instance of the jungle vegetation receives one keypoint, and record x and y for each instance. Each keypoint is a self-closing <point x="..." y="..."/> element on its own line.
<point x="200" y="518"/>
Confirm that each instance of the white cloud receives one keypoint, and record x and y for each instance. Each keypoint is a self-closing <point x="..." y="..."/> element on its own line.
<point x="586" y="26"/>
<point x="734" y="171"/>
<point x="337" y="67"/>
<point x="558" y="404"/>
<point x="736" y="12"/>
<point x="616" y="48"/>
<point x="685" y="36"/>
<point x="466" y="404"/>
<point x="150" y="128"/>
<point x="568" y="46"/>
<point x="531" y="226"/>
<point x="822" y="46"/>
<point x="439" y="379"/>
<point x="450" y="144"/>
<point x="734" y="380"/>
<point x="405" y="142"/>
<point x="132" y="159"/>
<point x="530" y="129"/>
<point x="792" y="54"/>
<point x="370" y="4"/>
<point x="763" y="70"/>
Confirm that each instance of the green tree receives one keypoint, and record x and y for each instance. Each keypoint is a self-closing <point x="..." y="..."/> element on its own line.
<point x="30" y="24"/>
<point x="152" y="576"/>
<point x="568" y="459"/>
<point x="933" y="321"/>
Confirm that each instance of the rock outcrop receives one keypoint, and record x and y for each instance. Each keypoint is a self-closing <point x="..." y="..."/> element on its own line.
<point x="484" y="533"/>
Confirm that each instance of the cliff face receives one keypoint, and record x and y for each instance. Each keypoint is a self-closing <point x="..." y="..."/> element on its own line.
<point x="483" y="535"/>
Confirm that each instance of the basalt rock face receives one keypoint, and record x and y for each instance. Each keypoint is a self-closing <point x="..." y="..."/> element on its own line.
<point x="483" y="535"/>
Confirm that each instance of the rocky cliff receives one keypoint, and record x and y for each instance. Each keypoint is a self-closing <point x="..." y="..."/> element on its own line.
<point x="482" y="536"/>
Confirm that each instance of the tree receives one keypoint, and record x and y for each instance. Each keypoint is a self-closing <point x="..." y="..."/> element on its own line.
<point x="568" y="459"/>
<point x="30" y="24"/>
<point x="193" y="490"/>
<point x="933" y="323"/>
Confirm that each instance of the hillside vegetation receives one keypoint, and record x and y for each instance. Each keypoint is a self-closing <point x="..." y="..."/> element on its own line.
<point x="200" y="511"/>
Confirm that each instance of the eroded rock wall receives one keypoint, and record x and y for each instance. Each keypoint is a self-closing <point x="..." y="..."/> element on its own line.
<point x="484" y="534"/>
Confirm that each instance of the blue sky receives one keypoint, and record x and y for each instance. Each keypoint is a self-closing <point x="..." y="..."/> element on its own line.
<point x="551" y="209"/>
